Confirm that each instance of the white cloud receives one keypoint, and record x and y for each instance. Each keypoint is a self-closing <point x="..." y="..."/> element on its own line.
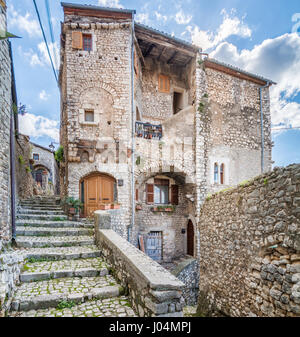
<point x="110" y="3"/>
<point x="161" y="17"/>
<point x="44" y="96"/>
<point x="231" y="25"/>
<point x="183" y="19"/>
<point x="24" y="23"/>
<point x="41" y="57"/>
<point x="143" y="18"/>
<point x="38" y="126"/>
<point x="279" y="60"/>
<point x="54" y="51"/>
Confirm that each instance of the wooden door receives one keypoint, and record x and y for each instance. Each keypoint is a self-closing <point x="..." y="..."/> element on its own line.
<point x="190" y="238"/>
<point x="98" y="189"/>
<point x="154" y="245"/>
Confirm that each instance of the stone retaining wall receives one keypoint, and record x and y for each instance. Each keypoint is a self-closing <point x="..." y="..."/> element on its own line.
<point x="10" y="268"/>
<point x="188" y="272"/>
<point x="250" y="247"/>
<point x="153" y="291"/>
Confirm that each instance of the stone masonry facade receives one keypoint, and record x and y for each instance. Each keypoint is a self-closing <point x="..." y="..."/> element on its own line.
<point x="5" y="113"/>
<point x="161" y="114"/>
<point x="250" y="245"/>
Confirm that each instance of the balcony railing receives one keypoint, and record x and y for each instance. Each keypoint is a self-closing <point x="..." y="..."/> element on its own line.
<point x="148" y="131"/>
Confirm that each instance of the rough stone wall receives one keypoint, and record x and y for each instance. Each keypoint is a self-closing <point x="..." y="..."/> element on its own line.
<point x="10" y="262"/>
<point x="155" y="106"/>
<point x="25" y="184"/>
<point x="250" y="246"/>
<point x="234" y="128"/>
<point x="5" y="114"/>
<point x="187" y="272"/>
<point x="98" y="80"/>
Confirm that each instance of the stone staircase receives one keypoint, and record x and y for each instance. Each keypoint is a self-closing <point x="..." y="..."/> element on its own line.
<point x="64" y="275"/>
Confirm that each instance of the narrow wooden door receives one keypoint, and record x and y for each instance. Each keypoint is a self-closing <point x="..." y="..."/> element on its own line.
<point x="190" y="238"/>
<point x="154" y="245"/>
<point x="98" y="189"/>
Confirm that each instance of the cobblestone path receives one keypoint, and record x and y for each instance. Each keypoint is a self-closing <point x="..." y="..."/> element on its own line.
<point x="64" y="275"/>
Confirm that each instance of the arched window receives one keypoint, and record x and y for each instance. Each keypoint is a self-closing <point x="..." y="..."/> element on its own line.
<point x="216" y="173"/>
<point x="222" y="174"/>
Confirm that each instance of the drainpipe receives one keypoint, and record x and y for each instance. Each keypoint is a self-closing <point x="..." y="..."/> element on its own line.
<point x="262" y="125"/>
<point x="13" y="127"/>
<point x="132" y="135"/>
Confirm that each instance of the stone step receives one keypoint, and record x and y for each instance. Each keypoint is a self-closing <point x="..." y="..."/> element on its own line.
<point x="45" y="270"/>
<point x="53" y="224"/>
<point x="46" y="231"/>
<point x="62" y="253"/>
<point x="57" y="241"/>
<point x="30" y="203"/>
<point x="45" y="217"/>
<point x="50" y="293"/>
<point x="42" y="208"/>
<point x="43" y="212"/>
<point x="110" y="307"/>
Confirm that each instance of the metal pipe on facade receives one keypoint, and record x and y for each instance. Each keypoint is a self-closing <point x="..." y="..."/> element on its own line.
<point x="262" y="125"/>
<point x="132" y="134"/>
<point x="13" y="127"/>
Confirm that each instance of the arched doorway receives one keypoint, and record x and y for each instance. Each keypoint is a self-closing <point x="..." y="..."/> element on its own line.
<point x="190" y="238"/>
<point x="96" y="189"/>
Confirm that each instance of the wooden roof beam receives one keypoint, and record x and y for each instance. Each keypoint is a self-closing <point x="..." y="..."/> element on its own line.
<point x="148" y="51"/>
<point x="137" y="46"/>
<point x="154" y="40"/>
<point x="172" y="57"/>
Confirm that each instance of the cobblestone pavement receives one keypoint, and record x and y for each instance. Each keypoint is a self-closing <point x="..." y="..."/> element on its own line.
<point x="64" y="275"/>
<point x="112" y="307"/>
<point x="77" y="264"/>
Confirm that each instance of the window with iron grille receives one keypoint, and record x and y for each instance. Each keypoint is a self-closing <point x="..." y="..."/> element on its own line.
<point x="36" y="156"/>
<point x="87" y="42"/>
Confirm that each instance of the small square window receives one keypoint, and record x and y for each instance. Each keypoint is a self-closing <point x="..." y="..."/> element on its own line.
<point x="89" y="116"/>
<point x="36" y="156"/>
<point x="87" y="42"/>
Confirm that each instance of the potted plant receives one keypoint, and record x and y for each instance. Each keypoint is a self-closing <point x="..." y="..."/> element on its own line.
<point x="138" y="207"/>
<point x="74" y="205"/>
<point x="104" y="207"/>
<point x="115" y="206"/>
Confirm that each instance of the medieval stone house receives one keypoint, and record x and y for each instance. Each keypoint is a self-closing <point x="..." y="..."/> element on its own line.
<point x="148" y="123"/>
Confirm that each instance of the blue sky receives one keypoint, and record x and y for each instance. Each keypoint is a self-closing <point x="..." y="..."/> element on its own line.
<point x="260" y="36"/>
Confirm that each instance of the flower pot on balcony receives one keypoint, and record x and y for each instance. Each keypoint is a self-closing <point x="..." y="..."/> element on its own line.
<point x="104" y="207"/>
<point x="115" y="206"/>
<point x="138" y="207"/>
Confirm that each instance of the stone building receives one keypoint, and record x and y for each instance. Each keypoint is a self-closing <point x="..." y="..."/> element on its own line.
<point x="44" y="169"/>
<point x="9" y="261"/>
<point x="149" y="123"/>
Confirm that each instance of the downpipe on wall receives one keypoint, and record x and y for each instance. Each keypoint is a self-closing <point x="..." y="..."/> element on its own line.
<point x="13" y="127"/>
<point x="132" y="134"/>
<point x="262" y="126"/>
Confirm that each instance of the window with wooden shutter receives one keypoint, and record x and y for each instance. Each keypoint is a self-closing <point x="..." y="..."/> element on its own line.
<point x="163" y="83"/>
<point x="150" y="193"/>
<point x="136" y="194"/>
<point x="77" y="41"/>
<point x="222" y="174"/>
<point x="174" y="194"/>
